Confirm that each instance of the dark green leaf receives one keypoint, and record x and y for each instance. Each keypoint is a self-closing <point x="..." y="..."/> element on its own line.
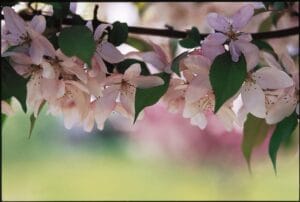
<point x="282" y="131"/>
<point x="150" y="96"/>
<point x="12" y="84"/>
<point x="279" y="5"/>
<point x="226" y="77"/>
<point x="77" y="41"/>
<point x="139" y="44"/>
<point x="176" y="61"/>
<point x="118" y="34"/>
<point x="267" y="4"/>
<point x="54" y="41"/>
<point x="33" y="119"/>
<point x="122" y="66"/>
<point x="255" y="132"/>
<point x="192" y="40"/>
<point x="259" y="10"/>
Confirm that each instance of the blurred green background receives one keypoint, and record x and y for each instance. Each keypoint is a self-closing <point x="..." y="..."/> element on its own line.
<point x="61" y="164"/>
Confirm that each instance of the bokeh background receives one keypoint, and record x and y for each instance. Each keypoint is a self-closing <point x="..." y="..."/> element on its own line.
<point x="162" y="157"/>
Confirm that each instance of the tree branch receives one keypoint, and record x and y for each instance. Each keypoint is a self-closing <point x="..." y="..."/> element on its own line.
<point x="172" y="33"/>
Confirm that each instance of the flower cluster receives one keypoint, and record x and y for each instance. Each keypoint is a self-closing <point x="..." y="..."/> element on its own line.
<point x="88" y="95"/>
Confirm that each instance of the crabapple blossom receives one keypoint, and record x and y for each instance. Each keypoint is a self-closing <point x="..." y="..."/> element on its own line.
<point x="199" y="97"/>
<point x="228" y="30"/>
<point x="104" y="50"/>
<point x="27" y="34"/>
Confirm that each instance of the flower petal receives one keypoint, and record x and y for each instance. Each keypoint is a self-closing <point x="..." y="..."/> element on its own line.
<point x="245" y="37"/>
<point x="199" y="120"/>
<point x="272" y="78"/>
<point x="36" y="52"/>
<point x="227" y="116"/>
<point x="215" y="39"/>
<point x="197" y="64"/>
<point x="241" y="18"/>
<point x="154" y="59"/>
<point x="38" y="23"/>
<point x="254" y="99"/>
<point x="197" y="88"/>
<point x="218" y="22"/>
<point x="100" y="29"/>
<point x="52" y="88"/>
<point x="148" y="81"/>
<point x="109" y="52"/>
<point x="6" y="108"/>
<point x="14" y="23"/>
<point x="234" y="51"/>
<point x="132" y="72"/>
<point x="190" y="109"/>
<point x="271" y="61"/>
<point x="211" y="51"/>
<point x="127" y="98"/>
<point x="250" y="51"/>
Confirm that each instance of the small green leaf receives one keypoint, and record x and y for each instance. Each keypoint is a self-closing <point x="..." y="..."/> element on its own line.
<point x="77" y="41"/>
<point x="255" y="131"/>
<point x="125" y="64"/>
<point x="139" y="44"/>
<point x="173" y="46"/>
<point x="192" y="40"/>
<point x="12" y="84"/>
<point x="54" y="41"/>
<point x="145" y="97"/>
<point x="33" y="119"/>
<point x="118" y="34"/>
<point x="282" y="131"/>
<point x="176" y="61"/>
<point x="279" y="5"/>
<point x="262" y="45"/>
<point x="226" y="77"/>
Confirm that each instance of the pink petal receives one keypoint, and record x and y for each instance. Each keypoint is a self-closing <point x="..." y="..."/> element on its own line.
<point x="52" y="88"/>
<point x="212" y="52"/>
<point x="234" y="51"/>
<point x="227" y="117"/>
<point x="6" y="108"/>
<point x="271" y="61"/>
<point x="241" y="18"/>
<point x="245" y="37"/>
<point x="132" y="72"/>
<point x="101" y="63"/>
<point x="197" y="88"/>
<point x="100" y="29"/>
<point x="109" y="52"/>
<point x="198" y="64"/>
<point x="148" y="81"/>
<point x="38" y="23"/>
<point x="47" y="46"/>
<point x="105" y="105"/>
<point x="218" y="22"/>
<point x="19" y="58"/>
<point x="288" y="63"/>
<point x="154" y="59"/>
<point x="127" y="98"/>
<point x="199" y="120"/>
<point x="190" y="109"/>
<point x="250" y="51"/>
<point x="272" y="78"/>
<point x="254" y="99"/>
<point x="14" y="23"/>
<point x="215" y="39"/>
<point x="36" y="51"/>
<point x="77" y="70"/>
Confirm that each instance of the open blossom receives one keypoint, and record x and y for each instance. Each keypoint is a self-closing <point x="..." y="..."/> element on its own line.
<point x="228" y="30"/>
<point x="286" y="100"/>
<point x="104" y="51"/>
<point x="28" y="34"/>
<point x="200" y="99"/>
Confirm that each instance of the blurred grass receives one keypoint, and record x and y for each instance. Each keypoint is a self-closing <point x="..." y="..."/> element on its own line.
<point x="60" y="164"/>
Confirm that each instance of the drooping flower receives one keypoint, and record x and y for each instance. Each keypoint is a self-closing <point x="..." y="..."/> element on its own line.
<point x="228" y="30"/>
<point x="199" y="96"/>
<point x="104" y="51"/>
<point x="29" y="34"/>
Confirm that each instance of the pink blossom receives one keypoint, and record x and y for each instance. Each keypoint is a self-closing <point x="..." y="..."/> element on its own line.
<point x="28" y="34"/>
<point x="228" y="30"/>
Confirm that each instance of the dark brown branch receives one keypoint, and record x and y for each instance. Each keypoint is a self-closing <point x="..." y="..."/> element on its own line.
<point x="172" y="33"/>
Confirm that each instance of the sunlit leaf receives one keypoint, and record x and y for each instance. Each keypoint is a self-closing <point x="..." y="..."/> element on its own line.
<point x="139" y="44"/>
<point x="283" y="130"/>
<point x="226" y="77"/>
<point x="145" y="97"/>
<point x="254" y="133"/>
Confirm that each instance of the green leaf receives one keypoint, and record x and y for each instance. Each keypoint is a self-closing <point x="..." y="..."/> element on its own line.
<point x="77" y="41"/>
<point x="33" y="119"/>
<point x="267" y="4"/>
<point x="124" y="65"/>
<point x="192" y="40"/>
<point x="176" y="61"/>
<point x="255" y="131"/>
<point x="262" y="45"/>
<point x="226" y="77"/>
<point x="145" y="97"/>
<point x="118" y="34"/>
<point x="279" y="5"/>
<point x="282" y="131"/>
<point x="173" y="46"/>
<point x="275" y="17"/>
<point x="265" y="25"/>
<point x="54" y="41"/>
<point x="139" y="44"/>
<point x="12" y="84"/>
